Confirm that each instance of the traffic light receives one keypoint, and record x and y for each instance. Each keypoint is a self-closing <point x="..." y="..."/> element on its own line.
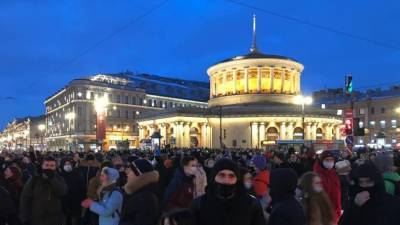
<point x="358" y="128"/>
<point x="349" y="85"/>
<point x="348" y="126"/>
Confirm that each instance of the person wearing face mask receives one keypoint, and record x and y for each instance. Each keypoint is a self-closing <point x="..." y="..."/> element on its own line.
<point x="72" y="200"/>
<point x="41" y="197"/>
<point x="371" y="205"/>
<point x="200" y="181"/>
<point x="284" y="208"/>
<point x="324" y="167"/>
<point x="180" y="191"/>
<point x="226" y="202"/>
<point x="316" y="204"/>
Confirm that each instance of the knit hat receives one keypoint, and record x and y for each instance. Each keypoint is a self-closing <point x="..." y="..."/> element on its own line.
<point x="325" y="154"/>
<point x="384" y="162"/>
<point x="343" y="167"/>
<point x="112" y="173"/>
<point x="259" y="162"/>
<point x="225" y="164"/>
<point x="143" y="165"/>
<point x="283" y="183"/>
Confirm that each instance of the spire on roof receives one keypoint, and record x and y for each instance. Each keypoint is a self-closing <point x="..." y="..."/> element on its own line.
<point x="253" y="44"/>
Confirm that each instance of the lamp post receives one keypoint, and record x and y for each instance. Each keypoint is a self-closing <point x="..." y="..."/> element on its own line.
<point x="41" y="128"/>
<point x="303" y="100"/>
<point x="100" y="105"/>
<point x="70" y="117"/>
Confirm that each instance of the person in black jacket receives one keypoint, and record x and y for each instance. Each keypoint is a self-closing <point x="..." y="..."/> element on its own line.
<point x="8" y="210"/>
<point x="72" y="200"/>
<point x="371" y="205"/>
<point x="226" y="202"/>
<point x="285" y="209"/>
<point x="141" y="205"/>
<point x="41" y="197"/>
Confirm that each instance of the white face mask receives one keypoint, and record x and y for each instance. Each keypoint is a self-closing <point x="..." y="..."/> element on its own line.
<point x="318" y="189"/>
<point x="248" y="185"/>
<point x="328" y="164"/>
<point x="68" y="168"/>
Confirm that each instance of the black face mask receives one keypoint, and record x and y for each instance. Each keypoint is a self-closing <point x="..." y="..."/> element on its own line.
<point x="49" y="173"/>
<point x="225" y="191"/>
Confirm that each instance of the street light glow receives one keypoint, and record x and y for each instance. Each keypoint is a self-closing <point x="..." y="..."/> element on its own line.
<point x="100" y="104"/>
<point x="41" y="127"/>
<point x="300" y="100"/>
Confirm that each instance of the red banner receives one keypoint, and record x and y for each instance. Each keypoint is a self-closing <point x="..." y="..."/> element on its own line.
<point x="101" y="127"/>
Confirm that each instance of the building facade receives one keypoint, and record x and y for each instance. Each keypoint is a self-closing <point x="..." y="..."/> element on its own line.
<point x="378" y="111"/>
<point x="21" y="133"/>
<point x="252" y="104"/>
<point x="71" y="116"/>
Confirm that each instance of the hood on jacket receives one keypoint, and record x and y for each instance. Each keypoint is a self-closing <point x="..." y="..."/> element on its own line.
<point x="283" y="184"/>
<point x="371" y="171"/>
<point x="143" y="180"/>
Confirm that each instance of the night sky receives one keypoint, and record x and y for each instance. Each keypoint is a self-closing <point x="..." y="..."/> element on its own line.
<point x="47" y="43"/>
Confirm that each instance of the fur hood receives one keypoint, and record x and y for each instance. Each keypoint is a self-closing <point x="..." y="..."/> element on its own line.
<point x="142" y="181"/>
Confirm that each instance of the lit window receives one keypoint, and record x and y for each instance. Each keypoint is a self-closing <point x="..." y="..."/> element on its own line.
<point x="361" y="124"/>
<point x="372" y="123"/>
<point x="394" y="123"/>
<point x="339" y="112"/>
<point x="323" y="106"/>
<point x="362" y="111"/>
<point x="383" y="124"/>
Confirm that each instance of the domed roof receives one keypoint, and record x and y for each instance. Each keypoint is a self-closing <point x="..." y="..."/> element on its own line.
<point x="257" y="55"/>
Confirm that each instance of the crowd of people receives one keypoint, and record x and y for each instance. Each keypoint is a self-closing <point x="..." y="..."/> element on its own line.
<point x="200" y="187"/>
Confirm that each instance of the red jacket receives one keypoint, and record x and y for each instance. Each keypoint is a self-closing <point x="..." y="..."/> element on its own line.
<point x="331" y="183"/>
<point x="261" y="183"/>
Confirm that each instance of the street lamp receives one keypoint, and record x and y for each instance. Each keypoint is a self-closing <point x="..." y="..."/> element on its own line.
<point x="41" y="128"/>
<point x="302" y="100"/>
<point x="100" y="105"/>
<point x="70" y="117"/>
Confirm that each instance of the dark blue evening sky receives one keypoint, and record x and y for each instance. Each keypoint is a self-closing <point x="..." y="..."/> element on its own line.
<point x="38" y="40"/>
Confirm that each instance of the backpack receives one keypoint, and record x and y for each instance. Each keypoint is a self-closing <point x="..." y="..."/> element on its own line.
<point x="396" y="186"/>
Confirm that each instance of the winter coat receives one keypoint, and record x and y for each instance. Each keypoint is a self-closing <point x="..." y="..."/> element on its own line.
<point x="94" y="185"/>
<point x="391" y="178"/>
<point x="86" y="172"/>
<point x="261" y="183"/>
<point x="41" y="201"/>
<point x="200" y="182"/>
<point x="141" y="205"/>
<point x="72" y="200"/>
<point x="331" y="184"/>
<point x="345" y="193"/>
<point x="242" y="209"/>
<point x="8" y="210"/>
<point x="287" y="211"/>
<point x="179" y="193"/>
<point x="381" y="209"/>
<point x="109" y="207"/>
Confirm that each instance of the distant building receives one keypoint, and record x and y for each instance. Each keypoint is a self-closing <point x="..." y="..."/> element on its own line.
<point x="377" y="109"/>
<point x="252" y="104"/>
<point x="71" y="116"/>
<point x="23" y="132"/>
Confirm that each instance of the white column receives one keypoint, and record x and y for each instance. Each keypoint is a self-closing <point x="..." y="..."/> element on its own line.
<point x="186" y="128"/>
<point x="224" y="92"/>
<point x="282" y="134"/>
<point x="212" y="90"/>
<point x="163" y="133"/>
<point x="337" y="133"/>
<point x="308" y="130"/>
<point x="254" y="134"/>
<point x="203" y="135"/>
<point x="271" y="72"/>
<point x="282" y="79"/>
<point x="234" y="81"/>
<point x="314" y="131"/>
<point x="328" y="132"/>
<point x="290" y="130"/>
<point x="141" y="133"/>
<point x="261" y="132"/>
<point x="258" y="79"/>
<point x="246" y="80"/>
